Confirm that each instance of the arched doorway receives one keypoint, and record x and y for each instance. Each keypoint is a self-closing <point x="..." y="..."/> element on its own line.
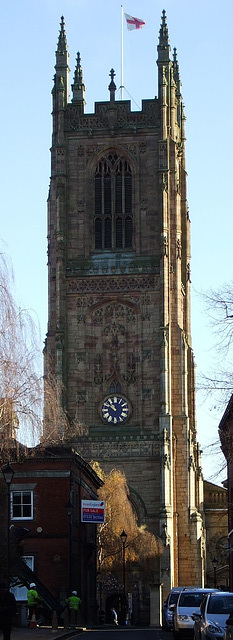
<point x="115" y="600"/>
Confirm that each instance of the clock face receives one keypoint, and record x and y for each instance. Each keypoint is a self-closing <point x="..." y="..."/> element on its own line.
<point x="115" y="409"/>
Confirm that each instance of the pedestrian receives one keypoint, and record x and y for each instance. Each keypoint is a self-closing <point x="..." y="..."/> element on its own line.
<point x="7" y="611"/>
<point x="114" y="616"/>
<point x="73" y="603"/>
<point x="33" y="599"/>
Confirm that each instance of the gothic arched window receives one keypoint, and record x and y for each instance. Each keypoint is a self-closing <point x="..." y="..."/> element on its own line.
<point x="115" y="387"/>
<point x="113" y="204"/>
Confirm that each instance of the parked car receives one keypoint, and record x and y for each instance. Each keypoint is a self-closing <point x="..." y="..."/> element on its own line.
<point x="210" y="622"/>
<point x="188" y="603"/>
<point x="229" y="627"/>
<point x="168" y="608"/>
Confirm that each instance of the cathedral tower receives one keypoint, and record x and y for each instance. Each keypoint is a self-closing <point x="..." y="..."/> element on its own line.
<point x="119" y="335"/>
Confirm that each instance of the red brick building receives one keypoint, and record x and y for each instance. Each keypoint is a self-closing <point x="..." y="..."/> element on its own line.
<point x="59" y="548"/>
<point x="226" y="437"/>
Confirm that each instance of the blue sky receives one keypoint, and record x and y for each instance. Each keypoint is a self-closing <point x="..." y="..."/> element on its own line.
<point x="202" y="33"/>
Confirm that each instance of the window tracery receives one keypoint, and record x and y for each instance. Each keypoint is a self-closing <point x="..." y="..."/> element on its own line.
<point x="113" y="203"/>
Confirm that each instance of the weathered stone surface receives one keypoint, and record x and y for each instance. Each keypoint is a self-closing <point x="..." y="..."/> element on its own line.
<point x="126" y="312"/>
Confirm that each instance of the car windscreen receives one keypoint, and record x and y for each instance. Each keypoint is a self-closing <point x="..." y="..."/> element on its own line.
<point x="220" y="604"/>
<point x="191" y="599"/>
<point x="174" y="597"/>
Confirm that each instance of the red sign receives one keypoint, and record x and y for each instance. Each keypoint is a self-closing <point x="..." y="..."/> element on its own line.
<point x="93" y="511"/>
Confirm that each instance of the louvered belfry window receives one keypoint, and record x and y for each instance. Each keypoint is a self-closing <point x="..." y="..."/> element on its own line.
<point x="113" y="204"/>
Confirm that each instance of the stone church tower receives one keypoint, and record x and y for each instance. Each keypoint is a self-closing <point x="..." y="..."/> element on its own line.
<point x="119" y="334"/>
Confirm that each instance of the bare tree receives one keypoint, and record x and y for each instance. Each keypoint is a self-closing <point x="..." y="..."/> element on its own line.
<point x="218" y="383"/>
<point x="59" y="426"/>
<point x="219" y="304"/>
<point x="20" y="377"/>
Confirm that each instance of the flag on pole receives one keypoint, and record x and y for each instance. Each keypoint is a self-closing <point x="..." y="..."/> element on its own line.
<point x="133" y="23"/>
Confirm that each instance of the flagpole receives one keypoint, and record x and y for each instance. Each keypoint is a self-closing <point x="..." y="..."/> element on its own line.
<point x="121" y="52"/>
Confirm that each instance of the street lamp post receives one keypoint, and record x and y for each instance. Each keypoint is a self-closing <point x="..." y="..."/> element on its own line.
<point x="123" y="537"/>
<point x="215" y="562"/>
<point x="8" y="474"/>
<point x="69" y="511"/>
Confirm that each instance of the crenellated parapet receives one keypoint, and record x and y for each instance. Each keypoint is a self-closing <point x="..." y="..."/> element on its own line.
<point x="115" y="115"/>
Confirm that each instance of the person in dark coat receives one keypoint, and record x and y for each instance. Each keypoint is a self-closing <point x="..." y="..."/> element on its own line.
<point x="7" y="611"/>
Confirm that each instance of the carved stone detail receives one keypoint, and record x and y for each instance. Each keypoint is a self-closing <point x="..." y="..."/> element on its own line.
<point x="98" y="369"/>
<point x="180" y="149"/>
<point x="111" y="284"/>
<point x="150" y="108"/>
<point x="131" y="366"/>
<point x="74" y="117"/>
<point x="59" y="337"/>
<point x="130" y="315"/>
<point x="82" y="306"/>
<point x="146" y="315"/>
<point x="60" y="160"/>
<point x="80" y="356"/>
<point x="131" y="148"/>
<point x="141" y="301"/>
<point x="132" y="268"/>
<point x="164" y="246"/>
<point x="104" y="113"/>
<point x="165" y="182"/>
<point x="178" y="249"/>
<point x="191" y="463"/>
<point x="113" y="449"/>
<point x="81" y="396"/>
<point x="166" y="461"/>
<point x="142" y="147"/>
<point x="122" y="112"/>
<point x="165" y="335"/>
<point x="98" y="317"/>
<point x="163" y="155"/>
<point x="91" y="150"/>
<point x="114" y="329"/>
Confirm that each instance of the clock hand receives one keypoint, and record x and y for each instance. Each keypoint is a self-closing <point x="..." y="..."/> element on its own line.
<point x="112" y="406"/>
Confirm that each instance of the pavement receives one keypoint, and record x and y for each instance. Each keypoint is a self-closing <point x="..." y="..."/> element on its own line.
<point x="47" y="633"/>
<point x="43" y="633"/>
